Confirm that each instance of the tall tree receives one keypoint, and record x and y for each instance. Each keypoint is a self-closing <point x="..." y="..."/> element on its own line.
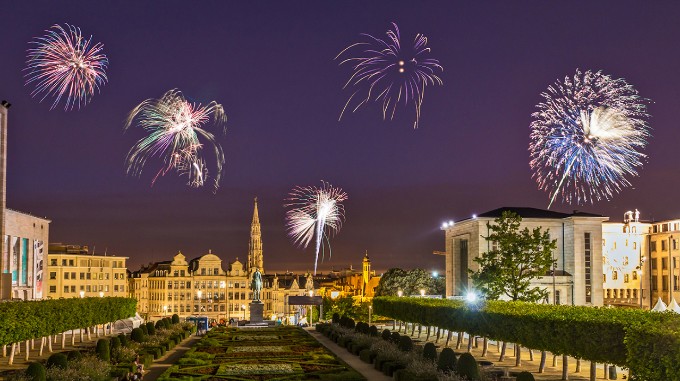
<point x="518" y="257"/>
<point x="409" y="282"/>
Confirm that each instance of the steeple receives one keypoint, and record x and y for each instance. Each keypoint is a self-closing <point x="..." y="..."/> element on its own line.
<point x="255" y="259"/>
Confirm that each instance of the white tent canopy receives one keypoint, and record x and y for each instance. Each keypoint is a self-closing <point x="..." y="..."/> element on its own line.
<point x="660" y="306"/>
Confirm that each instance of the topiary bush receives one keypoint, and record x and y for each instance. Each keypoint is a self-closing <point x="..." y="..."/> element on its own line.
<point x="57" y="359"/>
<point x="447" y="360"/>
<point x="386" y="334"/>
<point x="74" y="356"/>
<point x="151" y="329"/>
<point x="124" y="341"/>
<point x="336" y="318"/>
<point x="395" y="337"/>
<point x="36" y="372"/>
<point x="137" y="335"/>
<point x="467" y="367"/>
<point x="167" y="322"/>
<point x="103" y="350"/>
<point x="525" y="376"/>
<point x="405" y="343"/>
<point x="114" y="344"/>
<point x="373" y="331"/>
<point x="144" y="329"/>
<point x="175" y="319"/>
<point x="430" y="352"/>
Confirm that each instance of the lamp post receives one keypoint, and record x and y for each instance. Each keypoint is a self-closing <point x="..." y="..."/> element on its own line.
<point x="640" y="272"/>
<point x="422" y="293"/>
<point x="243" y="307"/>
<point x="370" y="309"/>
<point x="101" y="294"/>
<point x="82" y="293"/>
<point x="165" y="310"/>
<point x="400" y="293"/>
<point x="311" y="307"/>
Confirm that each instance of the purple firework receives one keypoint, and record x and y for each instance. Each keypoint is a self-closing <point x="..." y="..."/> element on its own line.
<point x="384" y="70"/>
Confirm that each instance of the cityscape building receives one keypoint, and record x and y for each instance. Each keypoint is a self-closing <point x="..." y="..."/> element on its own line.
<point x="578" y="255"/>
<point x="75" y="272"/>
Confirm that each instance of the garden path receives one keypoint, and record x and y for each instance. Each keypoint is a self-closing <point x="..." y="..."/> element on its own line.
<point x="170" y="358"/>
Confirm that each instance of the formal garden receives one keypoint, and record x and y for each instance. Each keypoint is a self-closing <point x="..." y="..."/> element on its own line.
<point x="276" y="353"/>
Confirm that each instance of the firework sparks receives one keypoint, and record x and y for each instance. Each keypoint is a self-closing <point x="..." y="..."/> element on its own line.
<point x="315" y="212"/>
<point x="587" y="137"/>
<point x="382" y="67"/>
<point x="175" y="128"/>
<point x="65" y="64"/>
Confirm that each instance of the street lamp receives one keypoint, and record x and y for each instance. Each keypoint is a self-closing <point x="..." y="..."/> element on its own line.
<point x="101" y="294"/>
<point x="435" y="274"/>
<point x="165" y="310"/>
<point x="243" y="307"/>
<point x="400" y="293"/>
<point x="199" y="293"/>
<point x="370" y="309"/>
<point x="82" y="293"/>
<point x="422" y="293"/>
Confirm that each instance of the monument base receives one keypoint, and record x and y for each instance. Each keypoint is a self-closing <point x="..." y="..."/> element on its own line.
<point x="256" y="312"/>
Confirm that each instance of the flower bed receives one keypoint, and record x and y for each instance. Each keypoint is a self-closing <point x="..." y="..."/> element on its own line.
<point x="281" y="353"/>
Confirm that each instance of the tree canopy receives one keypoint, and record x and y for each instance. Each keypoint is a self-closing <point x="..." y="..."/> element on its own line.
<point x="409" y="282"/>
<point x="517" y="257"/>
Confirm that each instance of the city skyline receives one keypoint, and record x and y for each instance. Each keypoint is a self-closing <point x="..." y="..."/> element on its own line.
<point x="271" y="66"/>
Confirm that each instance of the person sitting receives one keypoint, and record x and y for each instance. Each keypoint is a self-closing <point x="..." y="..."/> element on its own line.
<point x="139" y="366"/>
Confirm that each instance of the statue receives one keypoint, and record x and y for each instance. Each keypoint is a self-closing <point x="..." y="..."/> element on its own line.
<point x="256" y="285"/>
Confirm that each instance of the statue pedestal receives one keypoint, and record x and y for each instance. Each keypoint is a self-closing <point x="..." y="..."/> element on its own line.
<point x="256" y="312"/>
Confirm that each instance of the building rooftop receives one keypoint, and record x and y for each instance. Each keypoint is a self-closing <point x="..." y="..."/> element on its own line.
<point x="526" y="212"/>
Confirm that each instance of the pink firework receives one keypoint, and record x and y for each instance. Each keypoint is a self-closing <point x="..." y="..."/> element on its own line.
<point x="65" y="64"/>
<point x="386" y="71"/>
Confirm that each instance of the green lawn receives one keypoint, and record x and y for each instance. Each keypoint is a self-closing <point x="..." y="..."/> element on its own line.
<point x="281" y="353"/>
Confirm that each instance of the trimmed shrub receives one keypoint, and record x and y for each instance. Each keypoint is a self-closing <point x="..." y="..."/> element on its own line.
<point x="367" y="355"/>
<point x="57" y="359"/>
<point x="430" y="352"/>
<point x="36" y="372"/>
<point x="386" y="334"/>
<point x="151" y="329"/>
<point x="395" y="337"/>
<point x="167" y="322"/>
<point x="137" y="335"/>
<point x="447" y="360"/>
<point x="336" y="318"/>
<point x="74" y="356"/>
<point x="144" y="329"/>
<point x="175" y="319"/>
<point x="103" y="350"/>
<point x="373" y="331"/>
<point x="525" y="376"/>
<point x="114" y="344"/>
<point x="405" y="343"/>
<point x="467" y="367"/>
<point x="124" y="341"/>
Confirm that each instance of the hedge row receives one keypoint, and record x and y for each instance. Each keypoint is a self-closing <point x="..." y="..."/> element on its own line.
<point x="24" y="320"/>
<point x="645" y="342"/>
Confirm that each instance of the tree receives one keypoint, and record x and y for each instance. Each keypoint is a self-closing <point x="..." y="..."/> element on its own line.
<point x="518" y="257"/>
<point x="409" y="282"/>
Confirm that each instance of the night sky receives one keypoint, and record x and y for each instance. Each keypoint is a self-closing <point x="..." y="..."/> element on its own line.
<point x="270" y="63"/>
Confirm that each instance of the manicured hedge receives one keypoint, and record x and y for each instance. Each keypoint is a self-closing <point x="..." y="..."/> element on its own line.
<point x="648" y="343"/>
<point x="24" y="320"/>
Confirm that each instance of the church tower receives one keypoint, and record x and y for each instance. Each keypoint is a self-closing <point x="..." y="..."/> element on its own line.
<point x="366" y="273"/>
<point x="255" y="260"/>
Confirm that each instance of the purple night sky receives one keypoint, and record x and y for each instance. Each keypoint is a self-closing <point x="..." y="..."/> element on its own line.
<point x="270" y="63"/>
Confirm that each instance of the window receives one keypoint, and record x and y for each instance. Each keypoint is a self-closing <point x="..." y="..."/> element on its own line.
<point x="53" y="289"/>
<point x="65" y="289"/>
<point x="216" y="271"/>
<point x="664" y="282"/>
<point x="675" y="283"/>
<point x="664" y="263"/>
<point x="663" y="245"/>
<point x="202" y="271"/>
<point x="82" y="276"/>
<point x="88" y="276"/>
<point x="626" y="278"/>
<point x="53" y="262"/>
<point x="73" y="275"/>
<point x="53" y="275"/>
<point x="73" y="288"/>
<point x="63" y="262"/>
<point x="115" y="286"/>
<point x="634" y="245"/>
<point x="635" y="275"/>
<point x="66" y="275"/>
<point x="88" y="288"/>
<point x="654" y="265"/>
<point x="106" y="276"/>
<point x="615" y="275"/>
<point x="604" y="278"/>
<point x="654" y="243"/>
<point x="675" y="262"/>
<point x="106" y="288"/>
<point x="71" y="262"/>
<point x="655" y="283"/>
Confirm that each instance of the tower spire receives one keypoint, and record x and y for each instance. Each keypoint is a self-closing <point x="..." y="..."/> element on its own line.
<point x="255" y="258"/>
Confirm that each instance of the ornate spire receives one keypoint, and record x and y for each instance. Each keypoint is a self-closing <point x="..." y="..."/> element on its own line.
<point x="255" y="259"/>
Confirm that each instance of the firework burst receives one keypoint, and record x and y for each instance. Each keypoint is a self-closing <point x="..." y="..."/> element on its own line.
<point x="175" y="130"/>
<point x="315" y="213"/>
<point x="64" y="64"/>
<point x="587" y="137"/>
<point x="384" y="71"/>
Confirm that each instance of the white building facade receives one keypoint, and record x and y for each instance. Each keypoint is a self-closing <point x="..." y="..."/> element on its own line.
<point x="578" y="254"/>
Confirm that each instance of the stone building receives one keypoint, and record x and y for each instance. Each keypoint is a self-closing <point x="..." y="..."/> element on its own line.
<point x="663" y="261"/>
<point x="578" y="254"/>
<point x="23" y="255"/>
<point x="202" y="286"/>
<point x="74" y="272"/>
